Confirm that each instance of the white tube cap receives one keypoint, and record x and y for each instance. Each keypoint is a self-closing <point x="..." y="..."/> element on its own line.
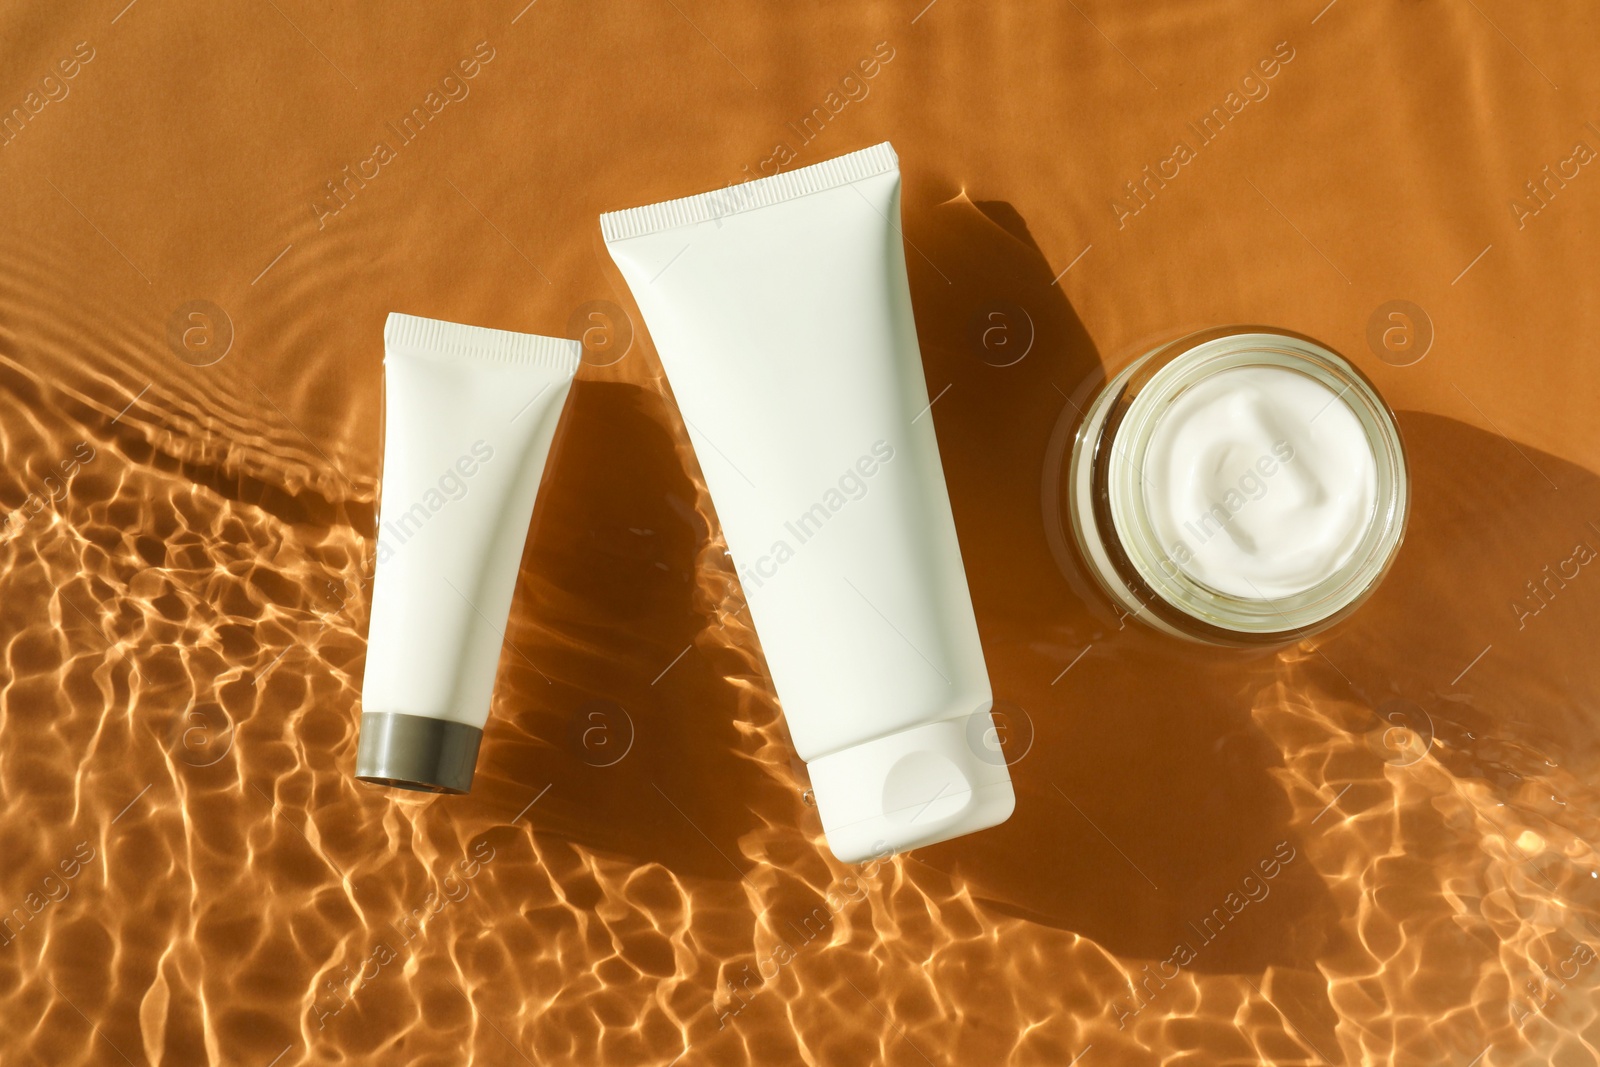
<point x="926" y="784"/>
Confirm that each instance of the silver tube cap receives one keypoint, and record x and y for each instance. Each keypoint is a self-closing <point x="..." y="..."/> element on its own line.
<point x="417" y="752"/>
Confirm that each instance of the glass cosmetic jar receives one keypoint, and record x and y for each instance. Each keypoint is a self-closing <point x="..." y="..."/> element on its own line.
<point x="1239" y="486"/>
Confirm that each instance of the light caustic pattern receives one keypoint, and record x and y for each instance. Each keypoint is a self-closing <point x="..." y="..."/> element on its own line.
<point x="183" y="643"/>
<point x="190" y="875"/>
<point x="1456" y="880"/>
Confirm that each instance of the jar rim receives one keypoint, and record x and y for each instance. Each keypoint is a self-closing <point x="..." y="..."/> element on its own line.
<point x="1136" y="401"/>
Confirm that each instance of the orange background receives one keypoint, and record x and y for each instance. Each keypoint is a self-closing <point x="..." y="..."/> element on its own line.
<point x="184" y="612"/>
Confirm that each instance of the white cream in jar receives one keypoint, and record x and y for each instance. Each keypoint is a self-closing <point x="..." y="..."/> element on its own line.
<point x="1261" y="481"/>
<point x="1238" y="486"/>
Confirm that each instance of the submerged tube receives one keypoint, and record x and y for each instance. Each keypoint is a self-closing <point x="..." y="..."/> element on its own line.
<point x="782" y="314"/>
<point x="469" y="417"/>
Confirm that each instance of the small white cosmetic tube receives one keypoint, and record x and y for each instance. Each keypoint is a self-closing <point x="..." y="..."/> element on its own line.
<point x="469" y="417"/>
<point x="782" y="313"/>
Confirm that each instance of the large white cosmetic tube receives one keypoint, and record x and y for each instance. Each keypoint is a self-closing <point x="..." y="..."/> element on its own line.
<point x="782" y="314"/>
<point x="469" y="417"/>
